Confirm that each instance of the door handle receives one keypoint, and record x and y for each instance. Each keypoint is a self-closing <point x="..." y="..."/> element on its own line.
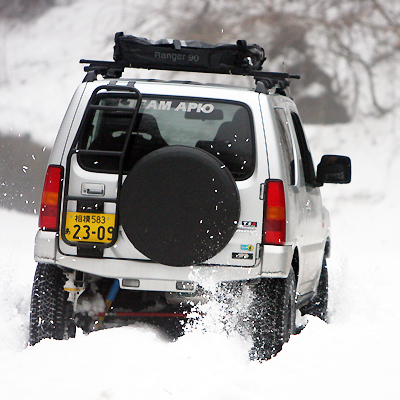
<point x="93" y="189"/>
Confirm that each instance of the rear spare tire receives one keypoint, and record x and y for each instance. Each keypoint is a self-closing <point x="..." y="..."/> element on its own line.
<point x="179" y="206"/>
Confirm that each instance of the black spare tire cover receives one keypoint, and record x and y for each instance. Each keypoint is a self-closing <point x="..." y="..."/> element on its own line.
<point x="179" y="206"/>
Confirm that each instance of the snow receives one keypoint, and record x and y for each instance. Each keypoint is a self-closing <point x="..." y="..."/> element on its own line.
<point x="355" y="356"/>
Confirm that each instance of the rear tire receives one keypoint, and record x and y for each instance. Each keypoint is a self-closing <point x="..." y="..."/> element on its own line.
<point x="51" y="313"/>
<point x="272" y="316"/>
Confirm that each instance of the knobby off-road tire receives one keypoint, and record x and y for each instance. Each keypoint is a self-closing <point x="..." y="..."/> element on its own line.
<point x="179" y="206"/>
<point x="51" y="313"/>
<point x="272" y="316"/>
<point x="318" y="305"/>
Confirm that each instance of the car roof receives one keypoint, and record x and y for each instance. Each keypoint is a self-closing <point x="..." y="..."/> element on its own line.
<point x="182" y="89"/>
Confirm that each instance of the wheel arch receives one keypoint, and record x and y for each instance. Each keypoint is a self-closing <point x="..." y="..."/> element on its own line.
<point x="296" y="264"/>
<point x="327" y="250"/>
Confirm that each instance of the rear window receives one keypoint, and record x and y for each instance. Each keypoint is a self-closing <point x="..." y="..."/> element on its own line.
<point x="221" y="128"/>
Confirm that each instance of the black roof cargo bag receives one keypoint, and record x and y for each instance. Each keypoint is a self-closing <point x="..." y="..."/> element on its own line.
<point x="187" y="55"/>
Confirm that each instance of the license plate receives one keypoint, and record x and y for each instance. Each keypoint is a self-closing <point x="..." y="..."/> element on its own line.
<point x="89" y="227"/>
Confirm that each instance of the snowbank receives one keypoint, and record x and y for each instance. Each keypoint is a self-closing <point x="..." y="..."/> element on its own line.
<point x="355" y="356"/>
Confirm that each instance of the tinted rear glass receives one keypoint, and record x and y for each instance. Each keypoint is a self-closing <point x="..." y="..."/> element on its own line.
<point x="223" y="129"/>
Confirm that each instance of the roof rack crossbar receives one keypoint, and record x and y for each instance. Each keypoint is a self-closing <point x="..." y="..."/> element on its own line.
<point x="114" y="69"/>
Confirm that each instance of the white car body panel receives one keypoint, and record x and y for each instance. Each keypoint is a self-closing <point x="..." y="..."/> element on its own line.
<point x="307" y="223"/>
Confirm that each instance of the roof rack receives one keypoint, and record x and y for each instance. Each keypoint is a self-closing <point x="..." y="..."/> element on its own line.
<point x="265" y="80"/>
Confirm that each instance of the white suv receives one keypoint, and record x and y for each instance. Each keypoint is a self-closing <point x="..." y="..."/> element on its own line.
<point x="152" y="185"/>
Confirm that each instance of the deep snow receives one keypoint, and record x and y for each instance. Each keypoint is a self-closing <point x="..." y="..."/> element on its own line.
<point x="356" y="356"/>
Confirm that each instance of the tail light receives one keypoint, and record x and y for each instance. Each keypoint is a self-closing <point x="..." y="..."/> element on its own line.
<point x="49" y="217"/>
<point x="274" y="226"/>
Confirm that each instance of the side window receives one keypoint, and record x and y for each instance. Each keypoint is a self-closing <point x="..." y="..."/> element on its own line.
<point x="286" y="142"/>
<point x="307" y="162"/>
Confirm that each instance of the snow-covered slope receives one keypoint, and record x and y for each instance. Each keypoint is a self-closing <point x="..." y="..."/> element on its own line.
<point x="39" y="61"/>
<point x="356" y="356"/>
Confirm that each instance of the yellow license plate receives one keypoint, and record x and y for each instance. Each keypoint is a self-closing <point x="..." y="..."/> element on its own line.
<point x="89" y="227"/>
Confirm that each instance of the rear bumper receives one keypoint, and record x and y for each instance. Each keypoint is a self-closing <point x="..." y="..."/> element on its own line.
<point x="274" y="261"/>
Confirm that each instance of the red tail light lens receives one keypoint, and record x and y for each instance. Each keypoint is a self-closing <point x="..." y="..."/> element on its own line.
<point x="274" y="226"/>
<point x="49" y="217"/>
